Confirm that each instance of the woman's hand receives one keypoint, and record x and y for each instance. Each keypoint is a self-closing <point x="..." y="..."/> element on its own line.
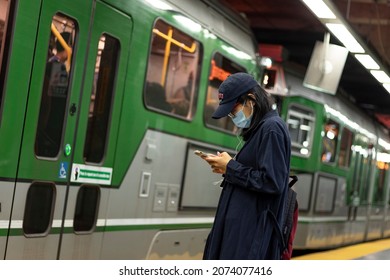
<point x="218" y="162"/>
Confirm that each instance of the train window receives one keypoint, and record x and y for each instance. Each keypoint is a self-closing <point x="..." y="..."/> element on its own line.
<point x="300" y="121"/>
<point x="221" y="67"/>
<point x="329" y="141"/>
<point x="101" y="98"/>
<point x="55" y="87"/>
<point x="6" y="10"/>
<point x="345" y="147"/>
<point x="269" y="79"/>
<point x="365" y="175"/>
<point x="362" y="168"/>
<point x="173" y="71"/>
<point x="87" y="206"/>
<point x="39" y="208"/>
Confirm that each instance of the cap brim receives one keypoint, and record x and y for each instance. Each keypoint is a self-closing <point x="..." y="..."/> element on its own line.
<point x="223" y="110"/>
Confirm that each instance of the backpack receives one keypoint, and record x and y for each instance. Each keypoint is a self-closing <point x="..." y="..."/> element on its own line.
<point x="290" y="220"/>
<point x="287" y="230"/>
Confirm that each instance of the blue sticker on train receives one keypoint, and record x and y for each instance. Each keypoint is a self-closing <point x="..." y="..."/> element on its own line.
<point x="63" y="171"/>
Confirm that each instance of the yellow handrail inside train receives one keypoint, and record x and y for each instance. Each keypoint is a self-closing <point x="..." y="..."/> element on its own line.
<point x="64" y="45"/>
<point x="170" y="41"/>
<point x="166" y="56"/>
<point x="177" y="43"/>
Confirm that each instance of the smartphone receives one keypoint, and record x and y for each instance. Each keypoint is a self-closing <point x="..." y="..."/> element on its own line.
<point x="200" y="153"/>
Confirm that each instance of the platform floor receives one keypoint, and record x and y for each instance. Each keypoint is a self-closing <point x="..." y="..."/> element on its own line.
<point x="375" y="250"/>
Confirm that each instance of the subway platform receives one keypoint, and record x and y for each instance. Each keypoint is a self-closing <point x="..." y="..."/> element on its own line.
<point x="374" y="250"/>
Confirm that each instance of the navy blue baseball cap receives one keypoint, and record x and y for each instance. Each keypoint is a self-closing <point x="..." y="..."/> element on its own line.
<point x="231" y="90"/>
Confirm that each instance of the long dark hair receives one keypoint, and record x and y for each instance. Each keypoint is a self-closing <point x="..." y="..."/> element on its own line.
<point x="263" y="102"/>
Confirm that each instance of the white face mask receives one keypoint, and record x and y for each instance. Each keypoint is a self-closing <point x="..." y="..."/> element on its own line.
<point x="240" y="120"/>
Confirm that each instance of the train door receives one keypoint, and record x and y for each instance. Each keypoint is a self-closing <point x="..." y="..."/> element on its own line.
<point x="97" y="133"/>
<point x="50" y="202"/>
<point x="380" y="191"/>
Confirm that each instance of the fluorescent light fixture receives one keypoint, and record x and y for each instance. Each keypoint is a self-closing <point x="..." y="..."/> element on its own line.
<point x="320" y="9"/>
<point x="345" y="37"/>
<point x="387" y="87"/>
<point x="367" y="61"/>
<point x="381" y="76"/>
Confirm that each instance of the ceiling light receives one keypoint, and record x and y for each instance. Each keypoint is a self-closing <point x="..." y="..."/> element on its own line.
<point x="342" y="33"/>
<point x="320" y="9"/>
<point x="387" y="87"/>
<point x="367" y="61"/>
<point x="381" y="76"/>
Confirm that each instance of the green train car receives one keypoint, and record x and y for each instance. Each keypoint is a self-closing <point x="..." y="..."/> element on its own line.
<point x="102" y="104"/>
<point x="341" y="156"/>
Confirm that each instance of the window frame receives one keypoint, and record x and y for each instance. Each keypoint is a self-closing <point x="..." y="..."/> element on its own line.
<point x="310" y="134"/>
<point x="192" y="76"/>
<point x="208" y="121"/>
<point x="5" y="51"/>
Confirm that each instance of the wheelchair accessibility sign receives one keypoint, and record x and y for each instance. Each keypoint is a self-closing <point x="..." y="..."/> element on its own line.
<point x="63" y="171"/>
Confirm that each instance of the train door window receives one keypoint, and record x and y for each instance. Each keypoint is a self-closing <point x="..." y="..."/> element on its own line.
<point x="221" y="68"/>
<point x="101" y="98"/>
<point x="87" y="207"/>
<point x="365" y="176"/>
<point x="269" y="78"/>
<point x="329" y="141"/>
<point x="273" y="80"/>
<point x="55" y="87"/>
<point x="39" y="208"/>
<point x="300" y="121"/>
<point x="382" y="165"/>
<point x="6" y="11"/>
<point x="172" y="80"/>
<point x="362" y="168"/>
<point x="345" y="147"/>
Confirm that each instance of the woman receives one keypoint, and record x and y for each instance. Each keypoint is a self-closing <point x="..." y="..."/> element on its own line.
<point x="255" y="181"/>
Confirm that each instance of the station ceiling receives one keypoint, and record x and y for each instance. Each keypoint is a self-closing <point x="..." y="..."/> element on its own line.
<point x="291" y="24"/>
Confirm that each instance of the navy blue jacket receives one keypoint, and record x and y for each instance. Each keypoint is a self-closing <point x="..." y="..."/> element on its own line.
<point x="255" y="184"/>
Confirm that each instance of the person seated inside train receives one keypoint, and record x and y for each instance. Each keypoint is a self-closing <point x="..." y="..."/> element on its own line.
<point x="181" y="99"/>
<point x="155" y="97"/>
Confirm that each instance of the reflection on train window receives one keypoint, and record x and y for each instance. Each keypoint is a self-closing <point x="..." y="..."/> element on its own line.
<point x="269" y="78"/>
<point x="55" y="87"/>
<point x="382" y="165"/>
<point x="221" y="68"/>
<point x="101" y="98"/>
<point x="39" y="208"/>
<point x="87" y="207"/>
<point x="6" y="10"/>
<point x="345" y="148"/>
<point x="174" y="66"/>
<point x="300" y="121"/>
<point x="329" y="141"/>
